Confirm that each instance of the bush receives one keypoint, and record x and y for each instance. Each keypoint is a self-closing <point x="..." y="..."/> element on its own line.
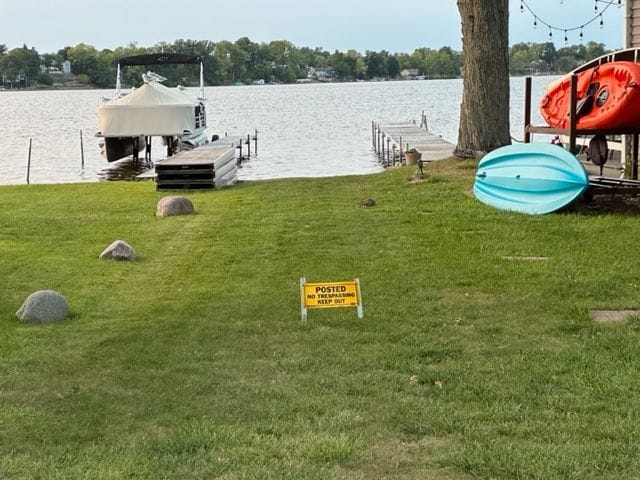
<point x="45" y="79"/>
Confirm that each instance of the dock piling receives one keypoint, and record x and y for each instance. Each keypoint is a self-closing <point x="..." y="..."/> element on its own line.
<point x="388" y="142"/>
<point x="81" y="150"/>
<point x="423" y="121"/>
<point x="29" y="160"/>
<point x="373" y="135"/>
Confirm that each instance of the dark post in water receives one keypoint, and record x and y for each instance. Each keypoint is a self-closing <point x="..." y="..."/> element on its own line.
<point x="255" y="143"/>
<point x="81" y="150"/>
<point x="29" y="161"/>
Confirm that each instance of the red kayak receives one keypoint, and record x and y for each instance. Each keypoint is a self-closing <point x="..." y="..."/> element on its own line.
<point x="608" y="97"/>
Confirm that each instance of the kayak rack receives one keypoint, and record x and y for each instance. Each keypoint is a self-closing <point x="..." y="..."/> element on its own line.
<point x="614" y="186"/>
<point x="573" y="132"/>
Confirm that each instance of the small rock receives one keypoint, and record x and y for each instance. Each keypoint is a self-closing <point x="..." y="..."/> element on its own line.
<point x="118" y="250"/>
<point x="43" y="306"/>
<point x="174" y="205"/>
<point x="417" y="176"/>
<point x="368" y="202"/>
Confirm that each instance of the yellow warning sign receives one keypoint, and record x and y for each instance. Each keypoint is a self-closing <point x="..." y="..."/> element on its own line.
<point x="333" y="294"/>
<point x="330" y="295"/>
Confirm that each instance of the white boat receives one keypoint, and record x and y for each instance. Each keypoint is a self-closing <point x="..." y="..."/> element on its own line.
<point x="128" y="122"/>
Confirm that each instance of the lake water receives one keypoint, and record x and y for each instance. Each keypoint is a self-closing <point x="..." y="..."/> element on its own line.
<point x="308" y="130"/>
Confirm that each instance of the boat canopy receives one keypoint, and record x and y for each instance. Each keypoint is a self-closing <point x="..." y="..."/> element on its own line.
<point x="159" y="59"/>
<point x="151" y="110"/>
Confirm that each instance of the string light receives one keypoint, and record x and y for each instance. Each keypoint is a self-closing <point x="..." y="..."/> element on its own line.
<point x="597" y="16"/>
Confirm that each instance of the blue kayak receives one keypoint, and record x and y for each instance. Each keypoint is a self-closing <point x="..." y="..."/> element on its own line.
<point x="533" y="178"/>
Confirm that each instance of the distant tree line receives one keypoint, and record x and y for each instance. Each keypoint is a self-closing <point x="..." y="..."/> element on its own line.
<point x="526" y="58"/>
<point x="278" y="61"/>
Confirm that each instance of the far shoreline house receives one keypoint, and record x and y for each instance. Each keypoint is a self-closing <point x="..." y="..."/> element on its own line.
<point x="409" y="73"/>
<point x="326" y="74"/>
<point x="54" y="70"/>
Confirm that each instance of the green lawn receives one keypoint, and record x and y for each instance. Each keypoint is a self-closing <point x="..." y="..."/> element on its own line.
<point x="476" y="357"/>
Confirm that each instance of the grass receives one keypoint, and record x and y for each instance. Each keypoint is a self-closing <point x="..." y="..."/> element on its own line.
<point x="472" y="360"/>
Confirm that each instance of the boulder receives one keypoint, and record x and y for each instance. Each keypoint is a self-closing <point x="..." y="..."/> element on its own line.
<point x="118" y="250"/>
<point x="43" y="306"/>
<point x="174" y="205"/>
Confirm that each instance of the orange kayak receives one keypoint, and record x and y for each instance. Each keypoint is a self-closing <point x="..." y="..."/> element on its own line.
<point x="608" y="97"/>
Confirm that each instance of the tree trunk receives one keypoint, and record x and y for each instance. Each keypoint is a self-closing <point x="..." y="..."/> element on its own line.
<point x="484" y="112"/>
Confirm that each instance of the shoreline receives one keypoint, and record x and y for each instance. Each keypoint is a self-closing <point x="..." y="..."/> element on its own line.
<point x="61" y="87"/>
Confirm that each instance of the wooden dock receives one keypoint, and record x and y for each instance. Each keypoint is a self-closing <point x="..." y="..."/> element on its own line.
<point x="391" y="140"/>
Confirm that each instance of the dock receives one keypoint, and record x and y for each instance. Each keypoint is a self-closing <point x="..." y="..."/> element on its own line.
<point x="391" y="140"/>
<point x="210" y="166"/>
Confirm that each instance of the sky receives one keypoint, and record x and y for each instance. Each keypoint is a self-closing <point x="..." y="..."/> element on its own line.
<point x="395" y="26"/>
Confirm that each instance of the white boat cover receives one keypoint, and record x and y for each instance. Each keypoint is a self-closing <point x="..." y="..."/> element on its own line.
<point x="152" y="109"/>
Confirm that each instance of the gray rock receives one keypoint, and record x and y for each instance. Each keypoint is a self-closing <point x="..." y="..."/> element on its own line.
<point x="174" y="205"/>
<point x="43" y="306"/>
<point x="416" y="176"/>
<point x="119" y="250"/>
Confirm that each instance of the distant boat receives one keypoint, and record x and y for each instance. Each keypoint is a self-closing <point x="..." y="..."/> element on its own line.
<point x="608" y="97"/>
<point x="532" y="178"/>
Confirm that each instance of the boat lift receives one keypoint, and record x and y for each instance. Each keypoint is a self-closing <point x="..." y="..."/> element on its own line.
<point x="134" y="144"/>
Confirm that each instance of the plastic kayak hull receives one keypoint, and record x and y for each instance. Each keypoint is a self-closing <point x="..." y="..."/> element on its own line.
<point x="531" y="178"/>
<point x="608" y="97"/>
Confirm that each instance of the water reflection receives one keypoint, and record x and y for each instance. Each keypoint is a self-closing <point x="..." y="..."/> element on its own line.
<point x="126" y="169"/>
